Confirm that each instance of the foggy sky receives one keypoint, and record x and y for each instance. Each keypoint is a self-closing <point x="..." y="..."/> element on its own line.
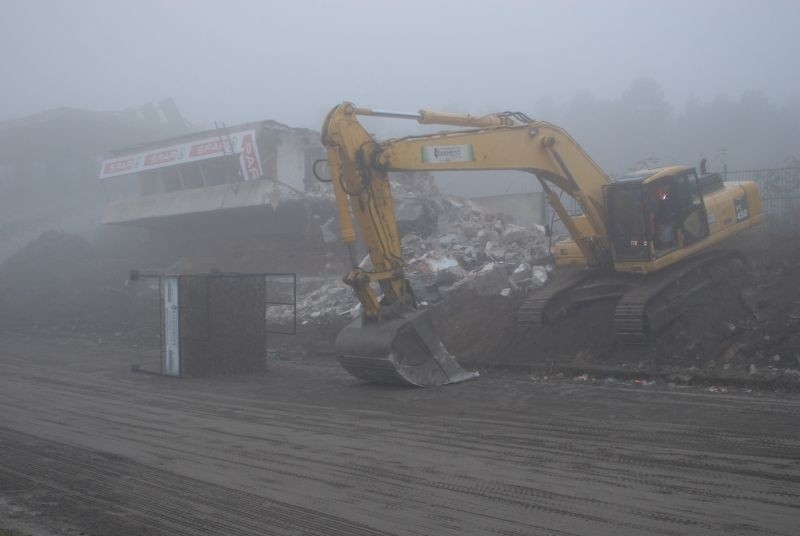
<point x="291" y="61"/>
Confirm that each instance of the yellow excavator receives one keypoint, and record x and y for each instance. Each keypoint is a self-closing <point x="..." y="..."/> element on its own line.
<point x="650" y="240"/>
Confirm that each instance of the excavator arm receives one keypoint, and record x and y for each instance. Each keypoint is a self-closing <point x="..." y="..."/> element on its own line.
<point x="392" y="341"/>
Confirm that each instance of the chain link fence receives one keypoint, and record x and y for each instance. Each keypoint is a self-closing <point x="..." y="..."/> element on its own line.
<point x="779" y="189"/>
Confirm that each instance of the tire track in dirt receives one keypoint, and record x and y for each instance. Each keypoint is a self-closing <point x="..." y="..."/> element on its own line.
<point x="497" y="470"/>
<point x="175" y="504"/>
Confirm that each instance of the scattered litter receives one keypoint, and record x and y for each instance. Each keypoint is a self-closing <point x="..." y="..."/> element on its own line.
<point x="642" y="382"/>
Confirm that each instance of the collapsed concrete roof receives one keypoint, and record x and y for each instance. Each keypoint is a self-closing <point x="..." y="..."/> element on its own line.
<point x="222" y="130"/>
<point x="249" y="165"/>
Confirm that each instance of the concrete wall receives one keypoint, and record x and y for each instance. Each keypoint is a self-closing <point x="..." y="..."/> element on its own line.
<point x="526" y="209"/>
<point x="292" y="162"/>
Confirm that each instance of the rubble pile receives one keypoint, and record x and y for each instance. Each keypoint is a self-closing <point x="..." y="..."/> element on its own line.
<point x="487" y="253"/>
<point x="319" y="299"/>
<point x="449" y="244"/>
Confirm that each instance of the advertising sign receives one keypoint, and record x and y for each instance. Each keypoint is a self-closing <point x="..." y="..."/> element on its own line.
<point x="241" y="143"/>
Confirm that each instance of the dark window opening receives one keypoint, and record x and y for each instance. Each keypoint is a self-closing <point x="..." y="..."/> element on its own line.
<point x="629" y="234"/>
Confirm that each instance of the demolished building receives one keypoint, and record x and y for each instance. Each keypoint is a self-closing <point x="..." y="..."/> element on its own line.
<point x="238" y="198"/>
<point x="227" y="168"/>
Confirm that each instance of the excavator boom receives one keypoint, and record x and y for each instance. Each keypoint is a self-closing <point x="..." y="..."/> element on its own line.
<point x="392" y="341"/>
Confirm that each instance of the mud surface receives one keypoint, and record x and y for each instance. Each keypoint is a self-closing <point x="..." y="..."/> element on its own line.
<point x="566" y="432"/>
<point x="88" y="447"/>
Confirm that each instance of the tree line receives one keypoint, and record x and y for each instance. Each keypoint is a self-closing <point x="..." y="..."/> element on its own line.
<point x="641" y="128"/>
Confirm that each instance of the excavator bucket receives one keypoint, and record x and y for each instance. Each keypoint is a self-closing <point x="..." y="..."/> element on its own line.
<point x="401" y="350"/>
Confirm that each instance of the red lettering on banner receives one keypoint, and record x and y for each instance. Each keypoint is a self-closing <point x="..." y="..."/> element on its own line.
<point x="117" y="166"/>
<point x="251" y="164"/>
<point x="202" y="149"/>
<point x="161" y="158"/>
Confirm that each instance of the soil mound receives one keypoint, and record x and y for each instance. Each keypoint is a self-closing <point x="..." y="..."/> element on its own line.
<point x="748" y="326"/>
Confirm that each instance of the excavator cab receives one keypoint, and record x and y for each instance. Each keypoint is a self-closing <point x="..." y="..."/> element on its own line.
<point x="652" y="214"/>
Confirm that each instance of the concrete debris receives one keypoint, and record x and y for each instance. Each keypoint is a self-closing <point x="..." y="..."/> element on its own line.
<point x="433" y="263"/>
<point x="489" y="280"/>
<point x="488" y="252"/>
<point x="447" y="243"/>
<point x="539" y="276"/>
<point x="319" y="299"/>
<point x="329" y="236"/>
<point x="515" y="234"/>
<point x="494" y="251"/>
<point x="521" y="275"/>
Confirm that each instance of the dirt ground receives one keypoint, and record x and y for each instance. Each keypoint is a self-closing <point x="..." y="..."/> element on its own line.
<point x="88" y="447"/>
<point x="566" y="432"/>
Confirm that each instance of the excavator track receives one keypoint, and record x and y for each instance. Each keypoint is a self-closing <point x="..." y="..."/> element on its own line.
<point x="661" y="298"/>
<point x="645" y="304"/>
<point x="548" y="303"/>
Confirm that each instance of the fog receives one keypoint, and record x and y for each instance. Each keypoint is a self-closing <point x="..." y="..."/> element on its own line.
<point x="586" y="65"/>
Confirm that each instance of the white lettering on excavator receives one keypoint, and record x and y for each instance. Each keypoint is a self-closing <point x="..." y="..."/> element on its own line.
<point x="742" y="211"/>
<point x="432" y="154"/>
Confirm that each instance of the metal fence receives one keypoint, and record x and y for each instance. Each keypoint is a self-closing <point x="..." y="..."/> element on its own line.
<point x="779" y="189"/>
